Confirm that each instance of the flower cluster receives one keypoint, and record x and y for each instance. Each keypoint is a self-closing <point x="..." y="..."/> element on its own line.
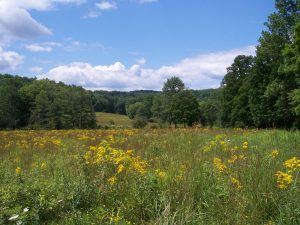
<point x="284" y="179"/>
<point x="121" y="161"/>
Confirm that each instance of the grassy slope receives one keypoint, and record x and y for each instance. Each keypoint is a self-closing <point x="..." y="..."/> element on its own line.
<point x="104" y="119"/>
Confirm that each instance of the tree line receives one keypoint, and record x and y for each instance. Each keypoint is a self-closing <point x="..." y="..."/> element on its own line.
<point x="264" y="90"/>
<point x="44" y="104"/>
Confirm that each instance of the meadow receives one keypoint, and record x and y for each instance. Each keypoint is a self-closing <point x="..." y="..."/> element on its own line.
<point x="113" y="120"/>
<point x="150" y="176"/>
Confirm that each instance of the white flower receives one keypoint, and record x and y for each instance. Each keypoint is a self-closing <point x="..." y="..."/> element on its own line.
<point x="19" y="222"/>
<point x="13" y="217"/>
<point x="26" y="209"/>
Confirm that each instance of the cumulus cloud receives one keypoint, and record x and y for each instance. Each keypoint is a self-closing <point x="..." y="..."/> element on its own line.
<point x="202" y="71"/>
<point x="105" y="5"/>
<point x="9" y="59"/>
<point x="17" y="23"/>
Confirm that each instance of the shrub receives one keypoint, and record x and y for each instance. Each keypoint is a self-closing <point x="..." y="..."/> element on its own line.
<point x="139" y="123"/>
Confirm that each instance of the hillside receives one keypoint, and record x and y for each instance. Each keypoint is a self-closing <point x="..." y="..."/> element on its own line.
<point x="111" y="119"/>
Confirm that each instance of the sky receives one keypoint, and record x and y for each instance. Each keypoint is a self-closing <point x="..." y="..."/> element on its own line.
<point x="128" y="44"/>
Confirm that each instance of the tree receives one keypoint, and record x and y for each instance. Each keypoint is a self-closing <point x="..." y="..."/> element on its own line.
<point x="176" y="105"/>
<point x="159" y="108"/>
<point x="137" y="109"/>
<point x="235" y="90"/>
<point x="173" y="85"/>
<point x="184" y="108"/>
<point x="13" y="110"/>
<point x="291" y="68"/>
<point x="268" y="96"/>
<point x="58" y="106"/>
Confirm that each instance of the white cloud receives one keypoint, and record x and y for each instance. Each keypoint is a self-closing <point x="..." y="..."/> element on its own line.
<point x="38" y="48"/>
<point x="43" y="47"/>
<point x="202" y="71"/>
<point x="141" y="61"/>
<point x="17" y="23"/>
<point x="9" y="59"/>
<point x="105" y="5"/>
<point x="92" y="14"/>
<point x="73" y="46"/>
<point x="37" y="70"/>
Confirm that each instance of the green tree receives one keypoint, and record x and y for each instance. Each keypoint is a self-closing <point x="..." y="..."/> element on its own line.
<point x="159" y="108"/>
<point x="136" y="109"/>
<point x="180" y="105"/>
<point x="291" y="69"/>
<point x="184" y="108"/>
<point x="13" y="110"/>
<point x="268" y="96"/>
<point x="173" y="85"/>
<point x="235" y="90"/>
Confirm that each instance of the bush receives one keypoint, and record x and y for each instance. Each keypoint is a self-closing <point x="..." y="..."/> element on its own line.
<point x="139" y="123"/>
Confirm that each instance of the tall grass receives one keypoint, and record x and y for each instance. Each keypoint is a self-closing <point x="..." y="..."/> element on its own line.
<point x="160" y="176"/>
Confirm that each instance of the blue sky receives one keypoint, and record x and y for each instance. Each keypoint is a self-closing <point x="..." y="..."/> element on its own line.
<point x="128" y="44"/>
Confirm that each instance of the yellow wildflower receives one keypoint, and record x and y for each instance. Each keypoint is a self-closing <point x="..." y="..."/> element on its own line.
<point x="245" y="145"/>
<point x="292" y="164"/>
<point x="43" y="165"/>
<point x="236" y="183"/>
<point x="220" y="165"/>
<point x="57" y="142"/>
<point x="18" y="170"/>
<point x="112" y="181"/>
<point x="242" y="157"/>
<point x="121" y="167"/>
<point x="233" y="159"/>
<point x="283" y="179"/>
<point x="274" y="153"/>
<point x="160" y="174"/>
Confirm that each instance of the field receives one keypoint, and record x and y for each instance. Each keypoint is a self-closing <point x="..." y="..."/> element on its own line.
<point x="158" y="176"/>
<point x="113" y="120"/>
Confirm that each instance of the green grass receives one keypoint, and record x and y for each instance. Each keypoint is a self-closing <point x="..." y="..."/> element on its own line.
<point x="111" y="119"/>
<point x="161" y="176"/>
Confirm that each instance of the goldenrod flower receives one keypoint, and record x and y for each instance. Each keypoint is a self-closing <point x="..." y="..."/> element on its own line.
<point x="292" y="164"/>
<point x="283" y="179"/>
<point x="236" y="183"/>
<point x="160" y="174"/>
<point x="43" y="165"/>
<point x="245" y="145"/>
<point x="219" y="165"/>
<point x="112" y="181"/>
<point x="121" y="167"/>
<point x="18" y="170"/>
<point x="274" y="153"/>
<point x="233" y="159"/>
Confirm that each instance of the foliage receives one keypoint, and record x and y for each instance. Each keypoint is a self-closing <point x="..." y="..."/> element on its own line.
<point x="43" y="104"/>
<point x="176" y="105"/>
<point x="259" y="91"/>
<point x="173" y="85"/>
<point x="139" y="122"/>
